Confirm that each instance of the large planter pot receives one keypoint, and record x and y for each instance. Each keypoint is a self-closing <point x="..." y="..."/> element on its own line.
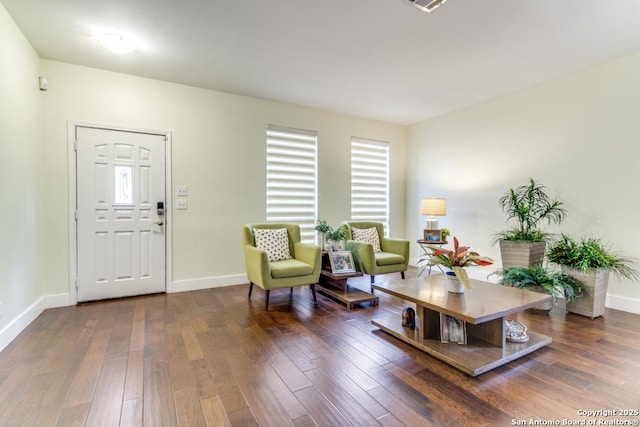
<point x="596" y="282"/>
<point x="521" y="253"/>
<point x="544" y="307"/>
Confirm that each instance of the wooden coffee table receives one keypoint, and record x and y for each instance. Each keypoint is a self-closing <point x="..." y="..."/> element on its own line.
<point x="483" y="308"/>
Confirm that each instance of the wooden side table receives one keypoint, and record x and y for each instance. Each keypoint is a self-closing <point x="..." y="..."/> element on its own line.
<point x="336" y="286"/>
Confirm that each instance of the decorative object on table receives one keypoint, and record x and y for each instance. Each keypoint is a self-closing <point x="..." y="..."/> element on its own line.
<point x="445" y="234"/>
<point x="433" y="207"/>
<point x="523" y="245"/>
<point x="342" y="262"/>
<point x="322" y="227"/>
<point x="454" y="285"/>
<point x="455" y="260"/>
<point x="590" y="261"/>
<point x="539" y="279"/>
<point x="392" y="258"/>
<point x="434" y="236"/>
<point x="515" y="331"/>
<point x="409" y="318"/>
<point x="452" y="329"/>
<point x="336" y="237"/>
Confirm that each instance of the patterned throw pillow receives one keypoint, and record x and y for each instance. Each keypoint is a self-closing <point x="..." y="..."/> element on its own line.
<point x="367" y="235"/>
<point x="275" y="242"/>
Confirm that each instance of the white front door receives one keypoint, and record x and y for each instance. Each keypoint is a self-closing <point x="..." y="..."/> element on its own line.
<point x="121" y="242"/>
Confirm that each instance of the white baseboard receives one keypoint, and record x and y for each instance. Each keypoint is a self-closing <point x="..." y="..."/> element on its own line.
<point x="207" y="283"/>
<point x="617" y="302"/>
<point x="17" y="325"/>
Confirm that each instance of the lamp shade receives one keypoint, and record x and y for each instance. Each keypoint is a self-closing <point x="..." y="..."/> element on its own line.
<point x="433" y="206"/>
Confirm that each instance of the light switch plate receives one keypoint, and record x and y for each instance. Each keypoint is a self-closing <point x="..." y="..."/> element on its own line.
<point x="182" y="190"/>
<point x="181" y="204"/>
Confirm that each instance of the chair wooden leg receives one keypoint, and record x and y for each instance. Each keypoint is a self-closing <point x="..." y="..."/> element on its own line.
<point x="291" y="292"/>
<point x="402" y="274"/>
<point x="266" y="300"/>
<point x="313" y="291"/>
<point x="250" y="289"/>
<point x="372" y="280"/>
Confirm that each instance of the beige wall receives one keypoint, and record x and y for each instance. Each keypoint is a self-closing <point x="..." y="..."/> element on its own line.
<point x="218" y="152"/>
<point x="579" y="135"/>
<point x="20" y="174"/>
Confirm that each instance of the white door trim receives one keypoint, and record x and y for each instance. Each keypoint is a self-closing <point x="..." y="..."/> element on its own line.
<point x="73" y="241"/>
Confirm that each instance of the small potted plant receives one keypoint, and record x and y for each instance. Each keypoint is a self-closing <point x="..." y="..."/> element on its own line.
<point x="445" y="234"/>
<point x="590" y="261"/>
<point x="455" y="260"/>
<point x="336" y="237"/>
<point x="539" y="279"/>
<point x="523" y="245"/>
<point x="322" y="227"/>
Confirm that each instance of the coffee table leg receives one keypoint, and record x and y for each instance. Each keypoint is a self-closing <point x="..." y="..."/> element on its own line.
<point x="429" y="323"/>
<point x="492" y="331"/>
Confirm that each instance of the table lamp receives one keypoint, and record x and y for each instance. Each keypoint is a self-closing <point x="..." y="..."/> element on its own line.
<point x="433" y="207"/>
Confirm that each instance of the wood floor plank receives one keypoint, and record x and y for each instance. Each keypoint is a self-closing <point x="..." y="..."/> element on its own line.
<point x="106" y="406"/>
<point x="158" y="403"/>
<point x="320" y="409"/>
<point x="189" y="410"/>
<point x="212" y="357"/>
<point x="348" y="406"/>
<point x="89" y="370"/>
<point x="214" y="412"/>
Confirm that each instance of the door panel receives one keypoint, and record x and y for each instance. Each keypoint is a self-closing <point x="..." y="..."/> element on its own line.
<point x="120" y="237"/>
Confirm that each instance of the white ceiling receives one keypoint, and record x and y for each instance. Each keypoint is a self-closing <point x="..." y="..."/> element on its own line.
<point x="381" y="59"/>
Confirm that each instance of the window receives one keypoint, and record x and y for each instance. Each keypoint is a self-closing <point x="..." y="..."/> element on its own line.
<point x="123" y="185"/>
<point x="370" y="181"/>
<point x="292" y="178"/>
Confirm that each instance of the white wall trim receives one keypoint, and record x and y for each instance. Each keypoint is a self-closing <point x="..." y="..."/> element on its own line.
<point x="73" y="256"/>
<point x="20" y="323"/>
<point x="208" y="282"/>
<point x="617" y="302"/>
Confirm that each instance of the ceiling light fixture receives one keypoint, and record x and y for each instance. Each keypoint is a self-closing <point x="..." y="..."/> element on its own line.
<point x="115" y="43"/>
<point x="428" y="5"/>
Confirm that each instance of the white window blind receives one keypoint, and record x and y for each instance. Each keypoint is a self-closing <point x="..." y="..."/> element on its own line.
<point x="292" y="178"/>
<point x="370" y="181"/>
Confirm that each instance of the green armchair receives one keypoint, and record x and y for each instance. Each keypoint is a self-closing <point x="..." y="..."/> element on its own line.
<point x="392" y="258"/>
<point x="303" y="268"/>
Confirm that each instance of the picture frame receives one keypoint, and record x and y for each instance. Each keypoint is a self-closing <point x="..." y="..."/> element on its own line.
<point x="433" y="236"/>
<point x="452" y="330"/>
<point x="342" y="262"/>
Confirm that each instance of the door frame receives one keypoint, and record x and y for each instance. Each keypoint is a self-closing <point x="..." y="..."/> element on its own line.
<point x="73" y="177"/>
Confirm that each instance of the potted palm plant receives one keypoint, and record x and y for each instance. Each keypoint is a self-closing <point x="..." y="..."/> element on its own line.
<point x="539" y="279"/>
<point x="455" y="260"/>
<point x="590" y="261"/>
<point x="523" y="245"/>
<point x="336" y="237"/>
<point x="322" y="227"/>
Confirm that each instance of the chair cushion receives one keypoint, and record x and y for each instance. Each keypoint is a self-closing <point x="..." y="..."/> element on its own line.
<point x="367" y="235"/>
<point x="275" y="242"/>
<point x="289" y="268"/>
<point x="387" y="258"/>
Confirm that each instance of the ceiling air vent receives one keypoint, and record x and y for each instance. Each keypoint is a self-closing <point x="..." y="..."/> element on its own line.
<point x="427" y="5"/>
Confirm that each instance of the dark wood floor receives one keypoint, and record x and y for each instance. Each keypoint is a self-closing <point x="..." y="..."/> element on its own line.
<point x="212" y="358"/>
